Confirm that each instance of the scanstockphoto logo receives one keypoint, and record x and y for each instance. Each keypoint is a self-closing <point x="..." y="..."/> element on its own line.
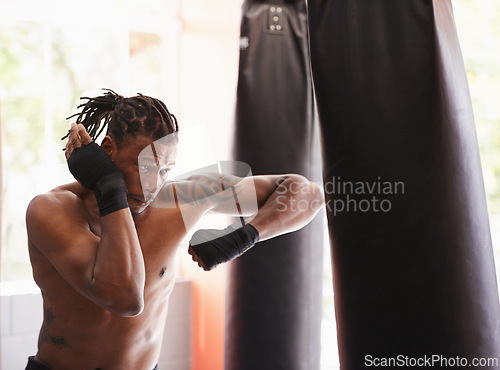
<point x="342" y="196"/>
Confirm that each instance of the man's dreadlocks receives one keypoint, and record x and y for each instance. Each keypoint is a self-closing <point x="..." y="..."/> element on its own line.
<point x="125" y="117"/>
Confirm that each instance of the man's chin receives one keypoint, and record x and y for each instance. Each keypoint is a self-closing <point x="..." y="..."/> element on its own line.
<point x="137" y="207"/>
<point x="136" y="212"/>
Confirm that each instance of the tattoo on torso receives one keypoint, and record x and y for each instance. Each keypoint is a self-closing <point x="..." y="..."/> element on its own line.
<point x="45" y="336"/>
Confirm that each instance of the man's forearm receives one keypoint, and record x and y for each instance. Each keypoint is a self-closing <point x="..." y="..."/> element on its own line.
<point x="118" y="276"/>
<point x="291" y="206"/>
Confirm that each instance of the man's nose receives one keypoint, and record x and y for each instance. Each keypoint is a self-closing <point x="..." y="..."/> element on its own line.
<point x="152" y="182"/>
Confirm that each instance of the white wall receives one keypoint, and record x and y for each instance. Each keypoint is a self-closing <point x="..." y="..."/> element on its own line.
<point x="21" y="318"/>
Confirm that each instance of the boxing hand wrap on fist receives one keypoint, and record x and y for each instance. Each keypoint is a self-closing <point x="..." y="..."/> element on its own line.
<point x="94" y="169"/>
<point x="214" y="247"/>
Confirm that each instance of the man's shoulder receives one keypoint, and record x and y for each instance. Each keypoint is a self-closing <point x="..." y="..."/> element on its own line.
<point x="61" y="200"/>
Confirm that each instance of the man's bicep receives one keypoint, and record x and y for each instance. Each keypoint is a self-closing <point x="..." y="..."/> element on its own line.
<point x="65" y="242"/>
<point x="210" y="192"/>
<point x="265" y="185"/>
<point x="220" y="193"/>
<point x="244" y="196"/>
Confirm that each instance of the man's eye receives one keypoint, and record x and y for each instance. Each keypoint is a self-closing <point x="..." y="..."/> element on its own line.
<point x="145" y="167"/>
<point x="164" y="173"/>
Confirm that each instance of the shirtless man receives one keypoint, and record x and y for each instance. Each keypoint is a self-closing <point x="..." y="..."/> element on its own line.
<point x="104" y="256"/>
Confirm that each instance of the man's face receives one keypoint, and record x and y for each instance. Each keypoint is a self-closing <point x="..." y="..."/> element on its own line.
<point x="146" y="165"/>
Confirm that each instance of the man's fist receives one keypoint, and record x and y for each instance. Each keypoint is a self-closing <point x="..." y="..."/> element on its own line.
<point x="93" y="168"/>
<point x="197" y="259"/>
<point x="212" y="247"/>
<point x="78" y="136"/>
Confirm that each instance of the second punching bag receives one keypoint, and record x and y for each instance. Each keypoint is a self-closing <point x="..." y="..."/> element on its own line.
<point x="414" y="277"/>
<point x="274" y="299"/>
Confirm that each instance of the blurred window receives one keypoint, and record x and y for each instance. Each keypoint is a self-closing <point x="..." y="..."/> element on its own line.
<point x="51" y="53"/>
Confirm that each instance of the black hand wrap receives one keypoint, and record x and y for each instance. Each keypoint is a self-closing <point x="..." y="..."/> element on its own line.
<point x="94" y="169"/>
<point x="218" y="246"/>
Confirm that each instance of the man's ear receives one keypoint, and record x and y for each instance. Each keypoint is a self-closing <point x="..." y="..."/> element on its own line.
<point x="109" y="146"/>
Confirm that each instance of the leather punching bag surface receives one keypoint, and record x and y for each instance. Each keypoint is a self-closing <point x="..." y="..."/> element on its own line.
<point x="274" y="294"/>
<point x="412" y="257"/>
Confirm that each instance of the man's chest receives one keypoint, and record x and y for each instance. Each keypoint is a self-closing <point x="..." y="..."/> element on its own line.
<point x="161" y="235"/>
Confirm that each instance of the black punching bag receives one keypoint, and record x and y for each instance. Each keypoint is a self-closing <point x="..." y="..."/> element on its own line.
<point x="412" y="257"/>
<point x="274" y="295"/>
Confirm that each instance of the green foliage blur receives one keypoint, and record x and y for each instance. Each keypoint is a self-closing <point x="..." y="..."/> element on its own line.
<point x="44" y="70"/>
<point x="478" y="29"/>
<point x="22" y="94"/>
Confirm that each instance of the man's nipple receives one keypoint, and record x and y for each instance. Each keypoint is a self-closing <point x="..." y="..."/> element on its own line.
<point x="163" y="270"/>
